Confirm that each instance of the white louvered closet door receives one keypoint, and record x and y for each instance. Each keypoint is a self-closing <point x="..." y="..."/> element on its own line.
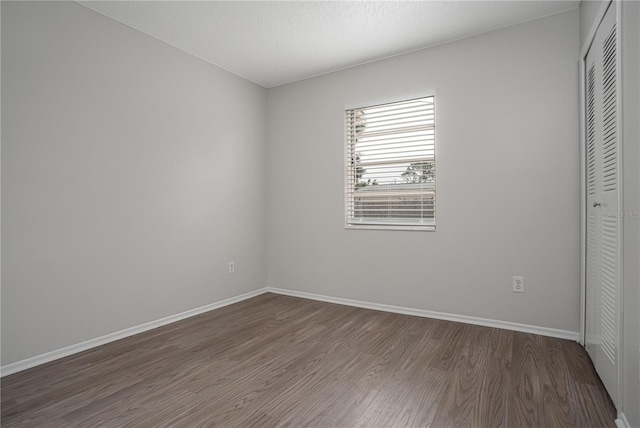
<point x="602" y="187"/>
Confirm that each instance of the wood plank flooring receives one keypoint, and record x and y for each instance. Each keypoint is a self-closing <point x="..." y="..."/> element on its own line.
<point x="282" y="361"/>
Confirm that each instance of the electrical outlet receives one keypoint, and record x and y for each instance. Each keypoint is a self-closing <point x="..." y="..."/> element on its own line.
<point x="231" y="267"/>
<point x="518" y="284"/>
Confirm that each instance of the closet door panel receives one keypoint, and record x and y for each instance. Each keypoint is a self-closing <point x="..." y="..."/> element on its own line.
<point x="602" y="189"/>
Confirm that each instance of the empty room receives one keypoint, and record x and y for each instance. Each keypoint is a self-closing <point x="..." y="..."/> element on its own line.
<point x="320" y="213"/>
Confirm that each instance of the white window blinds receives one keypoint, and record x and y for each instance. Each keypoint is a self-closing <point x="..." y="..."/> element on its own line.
<point x="391" y="166"/>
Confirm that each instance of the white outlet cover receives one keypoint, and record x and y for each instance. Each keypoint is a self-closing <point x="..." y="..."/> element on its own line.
<point x="518" y="284"/>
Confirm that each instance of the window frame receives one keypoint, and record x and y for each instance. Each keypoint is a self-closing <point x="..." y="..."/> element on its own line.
<point x="348" y="193"/>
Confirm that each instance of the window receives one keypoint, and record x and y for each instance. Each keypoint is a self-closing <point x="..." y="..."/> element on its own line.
<point x="391" y="166"/>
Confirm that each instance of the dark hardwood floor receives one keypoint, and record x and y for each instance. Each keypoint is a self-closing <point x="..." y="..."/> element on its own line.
<point x="282" y="361"/>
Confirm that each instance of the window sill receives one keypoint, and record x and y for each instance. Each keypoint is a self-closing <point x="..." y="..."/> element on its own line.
<point x="406" y="227"/>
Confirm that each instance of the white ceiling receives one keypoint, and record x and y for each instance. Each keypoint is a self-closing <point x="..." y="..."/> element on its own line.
<point x="276" y="42"/>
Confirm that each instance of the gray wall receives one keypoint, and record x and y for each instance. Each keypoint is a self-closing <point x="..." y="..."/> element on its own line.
<point x="507" y="140"/>
<point x="630" y="402"/>
<point x="131" y="173"/>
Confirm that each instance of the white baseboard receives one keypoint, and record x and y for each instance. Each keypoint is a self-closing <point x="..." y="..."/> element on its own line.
<point x="111" y="337"/>
<point x="622" y="421"/>
<point x="506" y="325"/>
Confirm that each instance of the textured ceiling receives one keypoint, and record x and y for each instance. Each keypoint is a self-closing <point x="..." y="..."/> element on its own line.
<point x="276" y="42"/>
